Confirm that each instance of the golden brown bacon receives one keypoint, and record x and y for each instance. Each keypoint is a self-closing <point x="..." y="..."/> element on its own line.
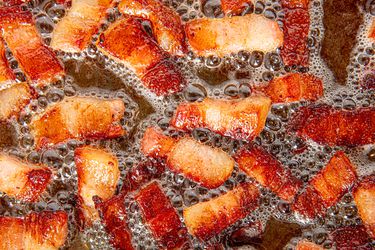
<point x="240" y="119"/>
<point x="209" y="218"/>
<point x="210" y="167"/>
<point x="166" y="23"/>
<point x="21" y="180"/>
<point x="13" y="100"/>
<point x="235" y="7"/>
<point x="268" y="171"/>
<point x="74" y="32"/>
<point x="37" y="61"/>
<point x="327" y="187"/>
<point x="6" y="73"/>
<point x="44" y="230"/>
<point x="78" y="118"/>
<point x="327" y="125"/>
<point x="98" y="174"/>
<point x="222" y="36"/>
<point x="161" y="217"/>
<point x="127" y="41"/>
<point x="307" y="245"/>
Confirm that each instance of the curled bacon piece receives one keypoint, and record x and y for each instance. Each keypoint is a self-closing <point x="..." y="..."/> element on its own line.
<point x="6" y="73"/>
<point x="327" y="187"/>
<point x="235" y="7"/>
<point x="240" y="119"/>
<point x="161" y="217"/>
<point x="268" y="171"/>
<point x="307" y="245"/>
<point x="210" y="167"/>
<point x="78" y="118"/>
<point x="44" y="230"/>
<point x="209" y="218"/>
<point x="13" y="100"/>
<point x="23" y="181"/>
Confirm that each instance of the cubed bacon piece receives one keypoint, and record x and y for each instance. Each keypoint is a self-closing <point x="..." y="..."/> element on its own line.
<point x="268" y="171"/>
<point x="372" y="31"/>
<point x="127" y="41"/>
<point x="75" y="30"/>
<point x="242" y="119"/>
<point x="161" y="217"/>
<point x="209" y="218"/>
<point x="98" y="174"/>
<point x="327" y="187"/>
<point x="352" y="237"/>
<point x="44" y="230"/>
<point x="78" y="118"/>
<point x="166" y="23"/>
<point x="22" y="180"/>
<point x="222" y="36"/>
<point x="292" y="4"/>
<point x="307" y="245"/>
<point x="13" y="100"/>
<point x="364" y="197"/>
<point x="235" y="7"/>
<point x="294" y="87"/>
<point x="114" y="216"/>
<point x="37" y="61"/>
<point x="327" y="125"/>
<point x="210" y="167"/>
<point x="6" y="73"/>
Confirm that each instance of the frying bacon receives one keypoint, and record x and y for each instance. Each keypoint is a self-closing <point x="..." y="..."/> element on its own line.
<point x="7" y="3"/>
<point x="210" y="167"/>
<point x="327" y="187"/>
<point x="13" y="100"/>
<point x="78" y="118"/>
<point x="44" y="230"/>
<point x="240" y="119"/>
<point x="352" y="237"/>
<point x="364" y="197"/>
<point x="23" y="181"/>
<point x="161" y="217"/>
<point x="74" y="32"/>
<point x="37" y="61"/>
<point x="127" y="41"/>
<point x="268" y="171"/>
<point x="306" y="245"/>
<point x="209" y="218"/>
<point x="98" y="174"/>
<point x="6" y="73"/>
<point x="222" y="36"/>
<point x="327" y="125"/>
<point x="368" y="79"/>
<point x="166" y="23"/>
<point x="235" y="7"/>
<point x="372" y="31"/>
<point x="292" y="4"/>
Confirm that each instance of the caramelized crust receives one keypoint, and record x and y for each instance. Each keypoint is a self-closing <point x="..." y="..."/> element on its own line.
<point x="327" y="125"/>
<point x="78" y="118"/>
<point x="98" y="174"/>
<point x="209" y="218"/>
<point x="210" y="167"/>
<point x="44" y="230"/>
<point x="22" y="181"/>
<point x="6" y="73"/>
<point x="13" y="100"/>
<point x="222" y="36"/>
<point x="161" y="217"/>
<point x="242" y="119"/>
<point x="306" y="245"/>
<point x="235" y="7"/>
<point x="268" y="171"/>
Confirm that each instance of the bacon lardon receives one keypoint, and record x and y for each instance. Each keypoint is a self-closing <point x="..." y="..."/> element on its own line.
<point x="222" y="36"/>
<point x="327" y="187"/>
<point x="307" y="245"/>
<point x="161" y="217"/>
<point x="23" y="181"/>
<point x="6" y="73"/>
<point x="78" y="118"/>
<point x="268" y="171"/>
<point x="209" y="218"/>
<point x="44" y="230"/>
<point x="240" y="118"/>
<point x="235" y="7"/>
<point x="13" y="100"/>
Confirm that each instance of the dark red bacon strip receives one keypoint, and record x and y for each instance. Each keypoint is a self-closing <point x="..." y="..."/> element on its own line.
<point x="352" y="237"/>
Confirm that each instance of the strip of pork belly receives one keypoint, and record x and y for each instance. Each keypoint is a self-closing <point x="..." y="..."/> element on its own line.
<point x="206" y="219"/>
<point x="21" y="180"/>
<point x="329" y="126"/>
<point x="307" y="245"/>
<point x="166" y="23"/>
<point x="364" y="197"/>
<point x="242" y="119"/>
<point x="268" y="171"/>
<point x="75" y="30"/>
<point x="222" y="36"/>
<point x="14" y="99"/>
<point x="210" y="167"/>
<point x="161" y="217"/>
<point x="78" y="118"/>
<point x="128" y="42"/>
<point x="235" y="7"/>
<point x="37" y="61"/>
<point x="98" y="174"/>
<point x="327" y="187"/>
<point x="6" y="73"/>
